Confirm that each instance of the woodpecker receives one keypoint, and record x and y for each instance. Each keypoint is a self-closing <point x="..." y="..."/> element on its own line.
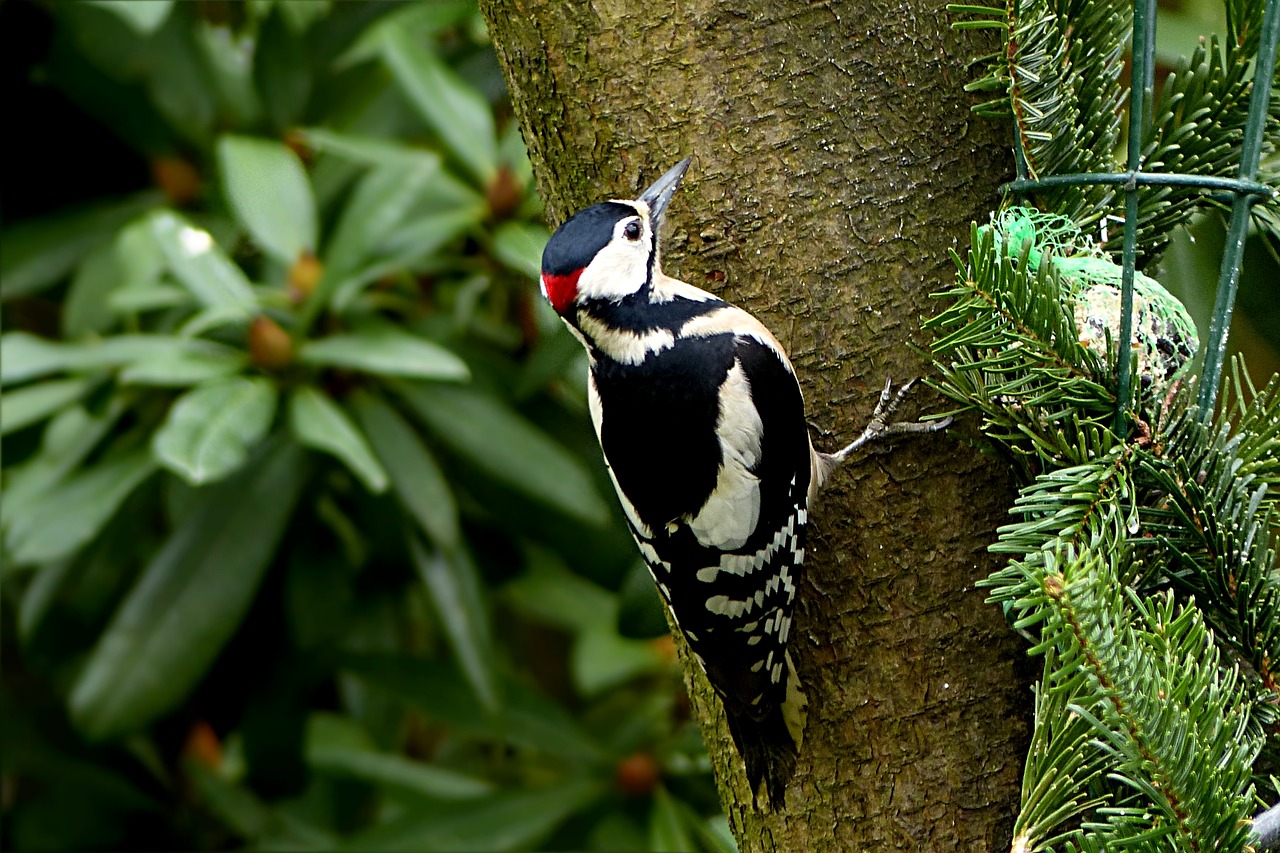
<point x="702" y="424"/>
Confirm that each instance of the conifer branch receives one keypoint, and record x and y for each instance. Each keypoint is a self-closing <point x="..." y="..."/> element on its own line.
<point x="1139" y="567"/>
<point x="1157" y="673"/>
<point x="1059" y="81"/>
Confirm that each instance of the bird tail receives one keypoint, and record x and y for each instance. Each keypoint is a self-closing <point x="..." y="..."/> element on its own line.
<point x="770" y="742"/>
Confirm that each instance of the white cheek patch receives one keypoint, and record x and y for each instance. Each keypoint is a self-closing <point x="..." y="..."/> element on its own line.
<point x="618" y="270"/>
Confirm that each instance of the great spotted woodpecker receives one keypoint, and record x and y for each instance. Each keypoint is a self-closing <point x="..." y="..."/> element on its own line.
<point x="702" y="424"/>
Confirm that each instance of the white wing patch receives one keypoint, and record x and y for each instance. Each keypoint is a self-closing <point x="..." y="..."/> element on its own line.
<point x="666" y="288"/>
<point x="729" y="516"/>
<point x="732" y="319"/>
<point x="745" y="564"/>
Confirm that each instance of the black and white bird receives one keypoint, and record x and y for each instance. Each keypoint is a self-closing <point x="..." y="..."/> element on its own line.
<point x="702" y="424"/>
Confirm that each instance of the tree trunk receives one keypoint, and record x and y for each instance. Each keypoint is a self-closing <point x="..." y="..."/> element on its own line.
<point x="835" y="164"/>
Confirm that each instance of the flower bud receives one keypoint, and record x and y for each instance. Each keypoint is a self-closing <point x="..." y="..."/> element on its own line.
<point x="270" y="346"/>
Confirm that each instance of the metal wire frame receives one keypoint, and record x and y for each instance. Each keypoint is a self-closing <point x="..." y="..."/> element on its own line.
<point x="1244" y="189"/>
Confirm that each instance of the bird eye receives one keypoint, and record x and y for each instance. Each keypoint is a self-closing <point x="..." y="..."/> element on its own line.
<point x="632" y="230"/>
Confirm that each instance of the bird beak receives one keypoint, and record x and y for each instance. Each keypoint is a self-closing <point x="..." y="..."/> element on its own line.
<point x="659" y="195"/>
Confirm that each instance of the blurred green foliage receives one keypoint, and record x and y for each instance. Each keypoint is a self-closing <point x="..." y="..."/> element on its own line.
<point x="306" y="541"/>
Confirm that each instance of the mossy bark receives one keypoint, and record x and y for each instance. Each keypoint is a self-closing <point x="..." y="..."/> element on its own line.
<point x="835" y="164"/>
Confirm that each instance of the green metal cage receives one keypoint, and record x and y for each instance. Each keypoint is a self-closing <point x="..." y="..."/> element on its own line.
<point x="1244" y="190"/>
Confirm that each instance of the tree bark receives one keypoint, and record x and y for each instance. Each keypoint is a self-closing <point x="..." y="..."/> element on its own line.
<point x="835" y="164"/>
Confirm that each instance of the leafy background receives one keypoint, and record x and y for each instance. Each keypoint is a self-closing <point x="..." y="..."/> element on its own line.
<point x="306" y="540"/>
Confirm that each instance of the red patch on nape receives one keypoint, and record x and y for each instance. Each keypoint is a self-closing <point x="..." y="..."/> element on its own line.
<point x="560" y="290"/>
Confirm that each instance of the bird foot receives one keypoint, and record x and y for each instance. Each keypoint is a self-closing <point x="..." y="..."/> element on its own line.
<point x="880" y="427"/>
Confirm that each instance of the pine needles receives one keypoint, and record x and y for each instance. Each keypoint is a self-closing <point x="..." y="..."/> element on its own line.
<point x="1142" y="569"/>
<point x="1059" y="80"/>
<point x="1142" y="566"/>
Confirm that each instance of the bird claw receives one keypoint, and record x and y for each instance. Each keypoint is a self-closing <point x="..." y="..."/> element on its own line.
<point x="880" y="428"/>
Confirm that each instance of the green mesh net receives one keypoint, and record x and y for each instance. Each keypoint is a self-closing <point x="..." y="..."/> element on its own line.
<point x="1164" y="337"/>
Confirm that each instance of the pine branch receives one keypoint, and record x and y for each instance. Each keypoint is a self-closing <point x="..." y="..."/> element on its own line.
<point x="1068" y="509"/>
<point x="1062" y="765"/>
<point x="1215" y="521"/>
<point x="1066" y="59"/>
<point x="1198" y="128"/>
<point x="1009" y="348"/>
<point x="1059" y="81"/>
<point x="1255" y="414"/>
<point x="1173" y="721"/>
<point x="1103" y="520"/>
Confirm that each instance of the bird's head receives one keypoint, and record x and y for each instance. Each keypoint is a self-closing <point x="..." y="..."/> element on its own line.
<point x="609" y="250"/>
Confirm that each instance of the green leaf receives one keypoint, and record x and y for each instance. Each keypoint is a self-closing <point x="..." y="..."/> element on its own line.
<point x="601" y="659"/>
<point x="415" y="475"/>
<point x="185" y="368"/>
<point x="300" y="15"/>
<point x="270" y="194"/>
<point x="226" y="64"/>
<point x="458" y="113"/>
<point x="411" y="245"/>
<point x="387" y="350"/>
<point x="455" y="587"/>
<point x="138" y="264"/>
<point x="423" y="20"/>
<point x="506" y="447"/>
<point x="319" y="423"/>
<point x="339" y="746"/>
<point x="394" y="771"/>
<point x="68" y="440"/>
<point x="214" y="317"/>
<point x="64" y="518"/>
<point x="24" y="356"/>
<point x="519" y="245"/>
<point x="282" y="69"/>
<point x="40" y="252"/>
<point x="235" y="806"/>
<point x="180" y="83"/>
<point x="380" y="203"/>
<point x="511" y="820"/>
<point x="41" y="593"/>
<point x="34" y="403"/>
<point x="53" y="763"/>
<point x="525" y="718"/>
<point x="201" y="265"/>
<point x="150" y="296"/>
<point x="255" y="821"/>
<point x="211" y="429"/>
<point x="716" y="835"/>
<point x="549" y="592"/>
<point x="368" y="150"/>
<point x="86" y="309"/>
<point x="668" y="829"/>
<point x="190" y="598"/>
<point x="144" y="16"/>
<point x="640" y="612"/>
